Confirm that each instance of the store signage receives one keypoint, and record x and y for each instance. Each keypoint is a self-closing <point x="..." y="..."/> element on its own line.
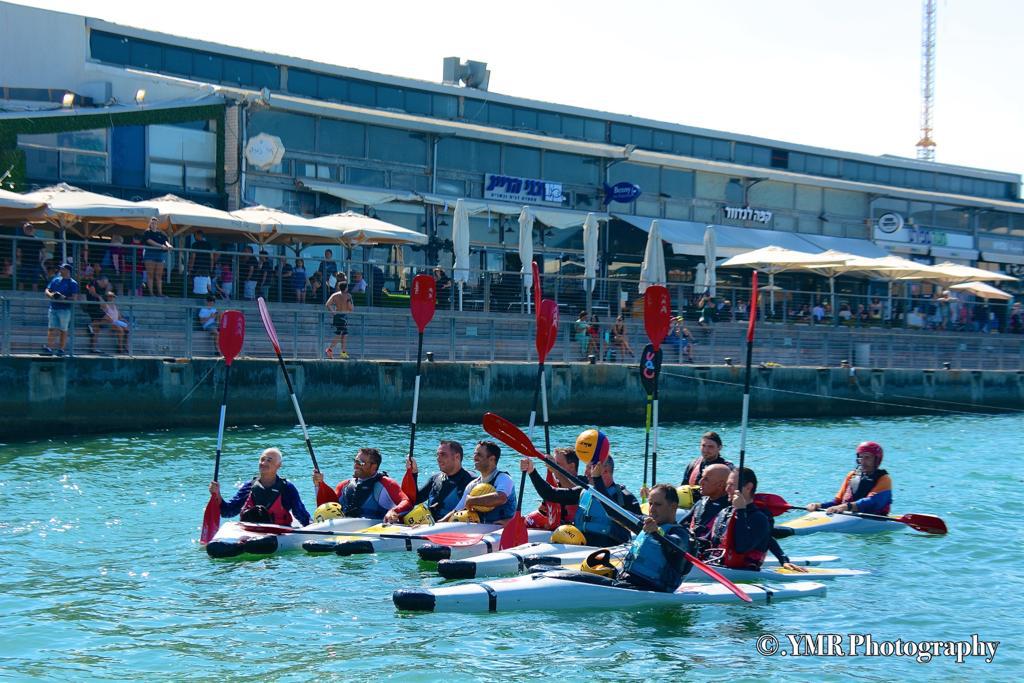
<point x="513" y="189"/>
<point x="927" y="237"/>
<point x="264" y="151"/>
<point x="624" y="193"/>
<point x="889" y="222"/>
<point x="745" y="213"/>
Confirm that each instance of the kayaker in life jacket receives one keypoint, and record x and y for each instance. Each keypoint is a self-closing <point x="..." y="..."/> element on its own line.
<point x="267" y="498"/>
<point x="370" y="492"/>
<point x="701" y="517"/>
<point x="742" y="532"/>
<point x="494" y="507"/>
<point x="592" y="518"/>
<point x="653" y="564"/>
<point x="710" y="454"/>
<point x="443" y="490"/>
<point x="865" y="489"/>
<point x="549" y="514"/>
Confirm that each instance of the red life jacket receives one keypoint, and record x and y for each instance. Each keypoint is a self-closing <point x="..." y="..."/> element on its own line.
<point x="278" y="514"/>
<point x="752" y="559"/>
<point x="695" y="471"/>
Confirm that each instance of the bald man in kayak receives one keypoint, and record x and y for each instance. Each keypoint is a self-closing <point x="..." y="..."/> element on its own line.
<point x="700" y="518"/>
<point x="865" y="489"/>
<point x="369" y="493"/>
<point x="267" y="498"/>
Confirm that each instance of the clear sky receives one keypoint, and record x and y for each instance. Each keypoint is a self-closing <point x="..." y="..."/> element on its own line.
<point x="843" y="75"/>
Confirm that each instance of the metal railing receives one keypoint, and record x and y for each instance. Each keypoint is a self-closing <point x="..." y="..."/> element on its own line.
<point x="170" y="328"/>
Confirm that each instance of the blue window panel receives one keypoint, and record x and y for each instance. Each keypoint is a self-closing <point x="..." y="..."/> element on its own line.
<point x="830" y="166"/>
<point x="899" y="176"/>
<point x="927" y="181"/>
<point x="721" y="149"/>
<point x="331" y="88"/>
<point x="391" y="144"/>
<point x="661" y="141"/>
<point x="296" y="131"/>
<point x="302" y="82"/>
<point x="798" y="163"/>
<point x="178" y="61"/>
<point x="390" y="98"/>
<point x="500" y="115"/>
<point x="702" y="147"/>
<point x="446" y="106"/>
<point x="238" y="71"/>
<point x="205" y="65"/>
<point x="417" y="102"/>
<point x="146" y="55"/>
<point x="642" y="137"/>
<point x="744" y="154"/>
<point x="677" y="184"/>
<point x="569" y="168"/>
<point x="956" y="184"/>
<point x="475" y="111"/>
<point x="342" y="138"/>
<point x="522" y="161"/>
<point x="469" y="155"/>
<point x="682" y="144"/>
<point x="594" y="130"/>
<point x="128" y="156"/>
<point x="573" y="127"/>
<point x="812" y="164"/>
<point x="913" y="178"/>
<point x="526" y="118"/>
<point x="365" y="176"/>
<point x="362" y="93"/>
<point x="780" y="159"/>
<point x="883" y="174"/>
<point x="551" y="123"/>
<point x="620" y="134"/>
<point x="106" y="47"/>
<point x="265" y="76"/>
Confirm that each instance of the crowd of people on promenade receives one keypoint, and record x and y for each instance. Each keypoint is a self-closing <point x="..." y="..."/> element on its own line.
<point x="726" y="522"/>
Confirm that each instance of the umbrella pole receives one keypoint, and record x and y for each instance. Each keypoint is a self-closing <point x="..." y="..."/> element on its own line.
<point x="832" y="292"/>
<point x="771" y="291"/>
<point x="888" y="314"/>
<point x="460" y="297"/>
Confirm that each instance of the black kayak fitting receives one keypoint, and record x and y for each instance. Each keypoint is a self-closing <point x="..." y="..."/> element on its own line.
<point x="434" y="552"/>
<point x="221" y="549"/>
<point x="456" y="569"/>
<point x="261" y="545"/>
<point x="319" y="547"/>
<point x="354" y="548"/>
<point x="414" y="600"/>
<point x="534" y="560"/>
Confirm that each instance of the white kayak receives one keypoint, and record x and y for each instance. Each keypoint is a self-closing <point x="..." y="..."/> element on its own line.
<point x="568" y="590"/>
<point x="236" y="538"/>
<point x="817" y="522"/>
<point x="476" y="539"/>
<point x="518" y="560"/>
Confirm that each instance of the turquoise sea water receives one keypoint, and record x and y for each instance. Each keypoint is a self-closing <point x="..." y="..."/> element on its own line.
<point x="102" y="577"/>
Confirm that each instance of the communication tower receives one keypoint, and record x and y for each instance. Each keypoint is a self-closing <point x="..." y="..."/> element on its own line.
<point x="926" y="146"/>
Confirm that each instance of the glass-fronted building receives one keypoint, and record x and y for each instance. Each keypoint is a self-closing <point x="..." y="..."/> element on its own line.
<point x="405" y="150"/>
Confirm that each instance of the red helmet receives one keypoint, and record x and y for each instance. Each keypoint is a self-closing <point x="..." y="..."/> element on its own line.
<point x="872" y="448"/>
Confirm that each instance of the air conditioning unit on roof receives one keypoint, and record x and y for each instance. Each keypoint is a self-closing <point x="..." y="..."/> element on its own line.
<point x="472" y="74"/>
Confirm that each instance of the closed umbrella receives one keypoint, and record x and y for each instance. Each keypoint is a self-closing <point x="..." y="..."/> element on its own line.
<point x="460" y="245"/>
<point x="591" y="239"/>
<point x="526" y="251"/>
<point x="710" y="249"/>
<point x="652" y="270"/>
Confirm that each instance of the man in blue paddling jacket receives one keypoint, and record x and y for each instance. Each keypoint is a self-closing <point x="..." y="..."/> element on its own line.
<point x="267" y="498"/>
<point x="652" y="564"/>
<point x="444" y="490"/>
<point x="492" y="495"/>
<point x="865" y="489"/>
<point x="591" y="516"/>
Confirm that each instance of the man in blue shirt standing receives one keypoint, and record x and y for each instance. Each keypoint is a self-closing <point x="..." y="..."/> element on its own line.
<point x="61" y="291"/>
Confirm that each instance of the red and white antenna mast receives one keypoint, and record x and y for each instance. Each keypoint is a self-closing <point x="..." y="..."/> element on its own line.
<point x="926" y="146"/>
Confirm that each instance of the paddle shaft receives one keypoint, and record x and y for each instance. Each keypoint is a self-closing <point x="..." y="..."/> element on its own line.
<point x="295" y="404"/>
<point x="533" y="422"/>
<point x="654" y="430"/>
<point x="415" y="398"/>
<point x="220" y="427"/>
<point x="647" y="441"/>
<point x="746" y="379"/>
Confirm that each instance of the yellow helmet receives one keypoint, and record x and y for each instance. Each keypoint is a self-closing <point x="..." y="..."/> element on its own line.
<point x="482" y="490"/>
<point x="328" y="511"/>
<point x="592" y="445"/>
<point x="688" y="495"/>
<point x="569" y="534"/>
<point x="599" y="562"/>
<point x="466" y="516"/>
<point x="419" y="515"/>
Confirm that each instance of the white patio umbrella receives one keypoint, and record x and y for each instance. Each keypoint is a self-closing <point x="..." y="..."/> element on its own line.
<point x="652" y="270"/>
<point x="177" y="215"/>
<point x="774" y="260"/>
<point x="830" y="268"/>
<point x="355" y="229"/>
<point x="14" y="206"/>
<point x="710" y="254"/>
<point x="984" y="291"/>
<point x="526" y="251"/>
<point x="460" y="245"/>
<point x="890" y="269"/>
<point x="956" y="273"/>
<point x="269" y="225"/>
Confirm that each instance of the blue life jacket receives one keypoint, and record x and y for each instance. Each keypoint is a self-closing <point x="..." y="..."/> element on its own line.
<point x="362" y="499"/>
<point x="647" y="561"/>
<point x="505" y="511"/>
<point x="593" y="520"/>
<point x="446" y="492"/>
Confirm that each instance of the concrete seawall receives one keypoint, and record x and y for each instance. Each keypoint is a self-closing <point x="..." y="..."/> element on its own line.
<point x="43" y="396"/>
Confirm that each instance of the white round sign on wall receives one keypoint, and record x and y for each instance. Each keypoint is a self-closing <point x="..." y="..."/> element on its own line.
<point x="264" y="151"/>
<point x="889" y="222"/>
